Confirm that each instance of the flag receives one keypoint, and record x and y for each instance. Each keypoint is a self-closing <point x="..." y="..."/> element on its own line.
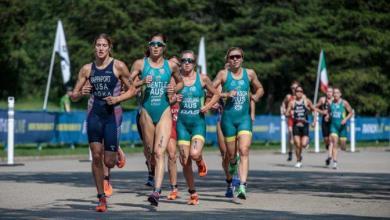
<point x="62" y="50"/>
<point x="202" y="56"/>
<point x="323" y="73"/>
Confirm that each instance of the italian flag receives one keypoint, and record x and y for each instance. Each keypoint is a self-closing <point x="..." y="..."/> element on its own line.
<point x="323" y="73"/>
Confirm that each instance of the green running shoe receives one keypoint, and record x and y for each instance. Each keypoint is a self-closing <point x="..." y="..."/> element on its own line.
<point x="233" y="168"/>
<point x="241" y="192"/>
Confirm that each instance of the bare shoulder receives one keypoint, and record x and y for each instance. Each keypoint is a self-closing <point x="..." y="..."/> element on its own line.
<point x="173" y="65"/>
<point x="204" y="77"/>
<point x="222" y="73"/>
<point x="118" y="64"/>
<point x="308" y="101"/>
<point x="86" y="70"/>
<point x="251" y="72"/>
<point x="346" y="102"/>
<point x="138" y="64"/>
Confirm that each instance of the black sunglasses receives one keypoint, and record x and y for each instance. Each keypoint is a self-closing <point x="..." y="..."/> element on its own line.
<point x="298" y="90"/>
<point x="187" y="60"/>
<point x="156" y="44"/>
<point x="235" y="56"/>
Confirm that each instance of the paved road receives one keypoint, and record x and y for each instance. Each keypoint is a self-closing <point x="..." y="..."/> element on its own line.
<point x="63" y="189"/>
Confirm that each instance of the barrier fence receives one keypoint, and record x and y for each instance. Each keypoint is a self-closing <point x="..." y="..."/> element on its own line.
<point x="68" y="128"/>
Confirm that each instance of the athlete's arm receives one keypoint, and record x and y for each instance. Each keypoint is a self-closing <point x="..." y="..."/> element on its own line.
<point x="219" y="81"/>
<point x="349" y="110"/>
<point x="210" y="89"/>
<point x="289" y="108"/>
<point x="81" y="88"/>
<point x="172" y="97"/>
<point x="256" y="85"/>
<point x="283" y="107"/>
<point x="313" y="109"/>
<point x="176" y="75"/>
<point x="135" y="73"/>
<point x="124" y="76"/>
<point x="253" y="110"/>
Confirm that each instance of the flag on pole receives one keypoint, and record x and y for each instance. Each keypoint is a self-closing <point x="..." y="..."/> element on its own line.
<point x="202" y="56"/>
<point x="323" y="73"/>
<point x="62" y="50"/>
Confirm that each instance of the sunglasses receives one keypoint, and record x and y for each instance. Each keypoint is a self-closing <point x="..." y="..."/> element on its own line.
<point x="293" y="87"/>
<point x="187" y="60"/>
<point x="235" y="56"/>
<point x="298" y="90"/>
<point x="156" y="44"/>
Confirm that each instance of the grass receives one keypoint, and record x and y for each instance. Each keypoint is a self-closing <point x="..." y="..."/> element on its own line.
<point x="65" y="150"/>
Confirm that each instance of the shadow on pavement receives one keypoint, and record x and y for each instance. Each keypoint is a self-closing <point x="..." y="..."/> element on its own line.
<point x="218" y="214"/>
<point x="366" y="186"/>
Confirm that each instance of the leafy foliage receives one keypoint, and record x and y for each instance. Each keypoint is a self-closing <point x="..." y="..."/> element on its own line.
<point x="281" y="40"/>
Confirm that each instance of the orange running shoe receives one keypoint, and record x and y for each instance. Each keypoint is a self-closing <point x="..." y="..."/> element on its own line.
<point x="173" y="194"/>
<point x="102" y="205"/>
<point x="194" y="199"/>
<point x="107" y="188"/>
<point x="202" y="168"/>
<point x="121" y="158"/>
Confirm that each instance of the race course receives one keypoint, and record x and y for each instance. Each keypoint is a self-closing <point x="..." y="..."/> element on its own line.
<point x="64" y="189"/>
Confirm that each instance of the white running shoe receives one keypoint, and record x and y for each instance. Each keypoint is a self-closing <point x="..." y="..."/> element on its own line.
<point x="298" y="165"/>
<point x="334" y="165"/>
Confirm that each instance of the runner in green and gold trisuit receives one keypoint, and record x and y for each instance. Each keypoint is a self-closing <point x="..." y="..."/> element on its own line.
<point x="340" y="113"/>
<point x="236" y="123"/>
<point x="191" y="125"/>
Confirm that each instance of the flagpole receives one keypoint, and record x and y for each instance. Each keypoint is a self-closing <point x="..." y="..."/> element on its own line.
<point x="50" y="73"/>
<point x="317" y="127"/>
<point x="318" y="79"/>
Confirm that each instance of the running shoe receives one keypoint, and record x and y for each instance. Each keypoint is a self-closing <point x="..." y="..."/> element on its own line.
<point x="233" y="168"/>
<point x="298" y="165"/>
<point x="327" y="161"/>
<point x="202" y="168"/>
<point x="173" y="194"/>
<point x="229" y="192"/>
<point x="241" y="192"/>
<point x="334" y="165"/>
<point x="107" y="188"/>
<point x="235" y="181"/>
<point x="121" y="161"/>
<point x="102" y="205"/>
<point x="194" y="199"/>
<point x="153" y="198"/>
<point x="289" y="158"/>
<point x="150" y="181"/>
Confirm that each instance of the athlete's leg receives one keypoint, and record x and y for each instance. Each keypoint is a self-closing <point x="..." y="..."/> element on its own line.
<point x="162" y="135"/>
<point x="334" y="139"/>
<point x="148" y="131"/>
<point x="298" y="147"/>
<point x="196" y="149"/>
<point x="186" y="162"/>
<point x="222" y="149"/>
<point x="290" y="137"/>
<point x="343" y="143"/>
<point x="172" y="168"/>
<point x="326" y="142"/>
<point x="244" y="143"/>
<point x="304" y="142"/>
<point x="231" y="150"/>
<point x="97" y="165"/>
